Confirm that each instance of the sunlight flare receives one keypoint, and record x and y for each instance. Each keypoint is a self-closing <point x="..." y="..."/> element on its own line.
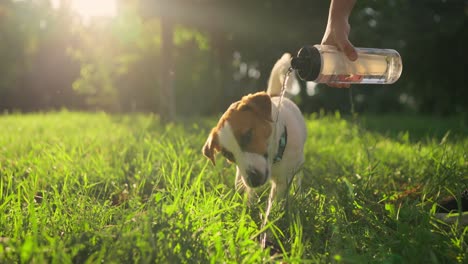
<point x="91" y="8"/>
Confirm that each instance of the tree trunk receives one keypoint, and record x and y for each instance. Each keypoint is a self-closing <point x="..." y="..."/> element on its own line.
<point x="221" y="62"/>
<point x="167" y="107"/>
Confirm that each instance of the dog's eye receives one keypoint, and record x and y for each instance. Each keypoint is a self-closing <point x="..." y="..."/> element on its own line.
<point x="228" y="155"/>
<point x="246" y="138"/>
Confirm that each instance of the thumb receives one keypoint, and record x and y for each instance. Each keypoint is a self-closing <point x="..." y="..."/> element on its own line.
<point x="349" y="50"/>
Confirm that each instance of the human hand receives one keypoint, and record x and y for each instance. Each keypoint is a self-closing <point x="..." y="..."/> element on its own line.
<point x="337" y="32"/>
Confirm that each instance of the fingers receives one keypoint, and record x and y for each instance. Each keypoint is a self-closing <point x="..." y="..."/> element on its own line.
<point x="349" y="50"/>
<point x="340" y="35"/>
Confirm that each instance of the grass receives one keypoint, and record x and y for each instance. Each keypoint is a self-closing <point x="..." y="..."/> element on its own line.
<point x="89" y="188"/>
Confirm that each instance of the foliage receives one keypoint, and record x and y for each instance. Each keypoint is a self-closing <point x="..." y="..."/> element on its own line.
<point x="107" y="52"/>
<point x="78" y="187"/>
<point x="51" y="58"/>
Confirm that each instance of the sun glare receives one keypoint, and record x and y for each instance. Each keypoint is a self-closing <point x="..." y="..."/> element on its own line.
<point x="92" y="8"/>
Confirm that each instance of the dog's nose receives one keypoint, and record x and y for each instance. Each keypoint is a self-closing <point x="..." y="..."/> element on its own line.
<point x="256" y="178"/>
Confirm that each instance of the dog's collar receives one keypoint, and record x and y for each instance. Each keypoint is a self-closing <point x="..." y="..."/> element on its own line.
<point x="283" y="140"/>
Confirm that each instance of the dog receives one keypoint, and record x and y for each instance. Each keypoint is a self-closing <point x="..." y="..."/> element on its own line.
<point x="263" y="138"/>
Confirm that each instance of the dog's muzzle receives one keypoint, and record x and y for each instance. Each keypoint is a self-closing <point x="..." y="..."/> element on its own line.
<point x="256" y="178"/>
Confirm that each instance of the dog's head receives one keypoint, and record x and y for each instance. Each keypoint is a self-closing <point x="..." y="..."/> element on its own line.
<point x="242" y="135"/>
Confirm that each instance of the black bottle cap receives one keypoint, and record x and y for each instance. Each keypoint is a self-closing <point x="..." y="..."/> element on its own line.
<point x="308" y="63"/>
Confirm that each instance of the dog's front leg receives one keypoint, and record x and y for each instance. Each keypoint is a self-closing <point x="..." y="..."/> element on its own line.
<point x="298" y="178"/>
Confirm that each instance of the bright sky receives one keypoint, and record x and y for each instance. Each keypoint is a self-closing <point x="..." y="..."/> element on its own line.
<point x="91" y="8"/>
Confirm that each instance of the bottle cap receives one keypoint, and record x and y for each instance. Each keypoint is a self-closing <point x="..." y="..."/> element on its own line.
<point x="308" y="63"/>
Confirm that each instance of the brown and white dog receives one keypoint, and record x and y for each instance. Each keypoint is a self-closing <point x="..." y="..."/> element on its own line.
<point x="266" y="145"/>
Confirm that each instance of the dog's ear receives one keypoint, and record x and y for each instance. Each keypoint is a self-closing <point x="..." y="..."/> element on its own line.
<point x="259" y="103"/>
<point x="211" y="146"/>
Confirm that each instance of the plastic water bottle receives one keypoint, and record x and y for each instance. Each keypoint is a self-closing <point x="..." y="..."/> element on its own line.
<point x="326" y="64"/>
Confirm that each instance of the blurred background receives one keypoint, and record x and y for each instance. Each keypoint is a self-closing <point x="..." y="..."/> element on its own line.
<point x="195" y="57"/>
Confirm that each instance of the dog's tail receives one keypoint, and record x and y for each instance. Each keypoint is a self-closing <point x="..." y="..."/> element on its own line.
<point x="278" y="74"/>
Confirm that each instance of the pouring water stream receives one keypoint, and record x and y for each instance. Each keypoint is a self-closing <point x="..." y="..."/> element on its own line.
<point x="283" y="90"/>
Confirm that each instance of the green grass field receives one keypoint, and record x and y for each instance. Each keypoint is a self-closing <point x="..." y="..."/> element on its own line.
<point x="92" y="188"/>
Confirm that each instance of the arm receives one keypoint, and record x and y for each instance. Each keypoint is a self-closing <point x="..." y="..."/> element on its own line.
<point x="338" y="28"/>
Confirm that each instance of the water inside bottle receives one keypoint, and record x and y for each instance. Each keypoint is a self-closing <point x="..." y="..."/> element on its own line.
<point x="372" y="68"/>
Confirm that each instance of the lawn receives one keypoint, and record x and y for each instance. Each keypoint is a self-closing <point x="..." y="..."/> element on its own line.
<point x="92" y="188"/>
